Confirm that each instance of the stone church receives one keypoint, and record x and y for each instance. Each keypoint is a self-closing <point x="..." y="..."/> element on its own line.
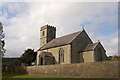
<point x="72" y="48"/>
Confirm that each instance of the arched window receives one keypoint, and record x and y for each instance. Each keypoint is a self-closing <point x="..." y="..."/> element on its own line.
<point x="61" y="55"/>
<point x="99" y="54"/>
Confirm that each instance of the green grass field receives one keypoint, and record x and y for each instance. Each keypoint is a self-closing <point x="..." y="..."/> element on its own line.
<point x="10" y="76"/>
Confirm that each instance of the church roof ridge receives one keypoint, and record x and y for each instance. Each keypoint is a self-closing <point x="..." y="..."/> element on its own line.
<point x="63" y="40"/>
<point x="69" y="34"/>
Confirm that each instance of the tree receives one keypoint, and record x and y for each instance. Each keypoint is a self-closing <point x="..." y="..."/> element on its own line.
<point x="2" y="42"/>
<point x="28" y="56"/>
<point x="114" y="57"/>
<point x="11" y="62"/>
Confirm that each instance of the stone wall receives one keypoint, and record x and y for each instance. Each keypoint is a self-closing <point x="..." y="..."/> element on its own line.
<point x="102" y="52"/>
<point x="18" y="69"/>
<point x="49" y="34"/>
<point x="105" y="69"/>
<point x="79" y="44"/>
<point x="87" y="56"/>
<point x="55" y="53"/>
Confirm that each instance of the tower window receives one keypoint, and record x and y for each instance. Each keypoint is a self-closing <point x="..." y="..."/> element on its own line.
<point x="43" y="33"/>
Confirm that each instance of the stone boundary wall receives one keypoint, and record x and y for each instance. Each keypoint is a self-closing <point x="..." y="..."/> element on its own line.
<point x="105" y="69"/>
<point x="18" y="69"/>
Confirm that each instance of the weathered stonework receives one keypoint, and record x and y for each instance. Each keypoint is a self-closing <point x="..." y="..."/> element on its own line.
<point x="55" y="53"/>
<point x="87" y="56"/>
<point x="47" y="33"/>
<point x="104" y="69"/>
<point x="78" y="45"/>
<point x="76" y="48"/>
<point x="104" y="57"/>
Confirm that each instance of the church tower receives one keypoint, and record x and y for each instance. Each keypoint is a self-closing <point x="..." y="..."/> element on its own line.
<point x="47" y="33"/>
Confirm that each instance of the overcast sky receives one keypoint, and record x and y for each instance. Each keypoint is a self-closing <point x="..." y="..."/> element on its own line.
<point x="22" y="22"/>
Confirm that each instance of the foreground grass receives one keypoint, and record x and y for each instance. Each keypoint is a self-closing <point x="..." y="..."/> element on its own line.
<point x="10" y="76"/>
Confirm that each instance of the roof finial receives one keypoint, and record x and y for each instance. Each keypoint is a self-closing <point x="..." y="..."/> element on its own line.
<point x="98" y="40"/>
<point x="83" y="27"/>
<point x="48" y="22"/>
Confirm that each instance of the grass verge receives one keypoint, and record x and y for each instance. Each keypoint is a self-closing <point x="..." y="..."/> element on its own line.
<point x="11" y="76"/>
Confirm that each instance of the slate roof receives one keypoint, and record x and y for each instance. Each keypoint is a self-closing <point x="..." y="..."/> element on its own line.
<point x="91" y="46"/>
<point x="67" y="39"/>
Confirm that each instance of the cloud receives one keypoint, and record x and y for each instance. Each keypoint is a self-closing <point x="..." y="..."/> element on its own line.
<point x="22" y="23"/>
<point x="61" y="1"/>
